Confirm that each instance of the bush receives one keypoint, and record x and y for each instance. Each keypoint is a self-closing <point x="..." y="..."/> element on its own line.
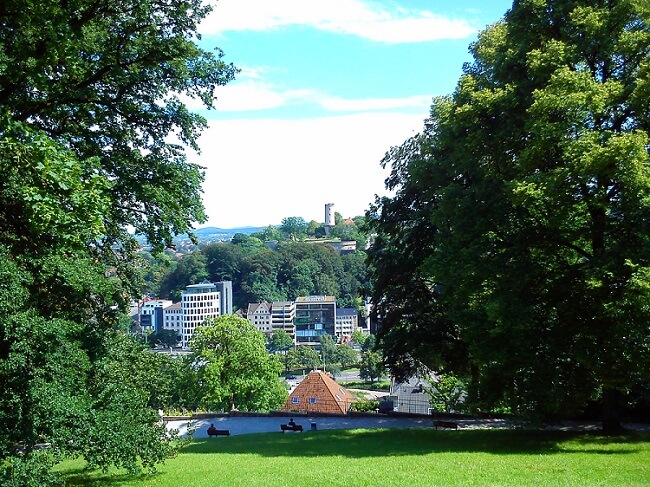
<point x="363" y="405"/>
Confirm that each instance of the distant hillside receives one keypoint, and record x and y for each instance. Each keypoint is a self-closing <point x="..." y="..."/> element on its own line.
<point x="209" y="235"/>
<point x="227" y="231"/>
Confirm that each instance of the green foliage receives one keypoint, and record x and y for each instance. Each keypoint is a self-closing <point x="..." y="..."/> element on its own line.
<point x="234" y="368"/>
<point x="447" y="393"/>
<point x="34" y="470"/>
<point x="261" y="274"/>
<point x="346" y="355"/>
<point x="372" y="366"/>
<point x="364" y="405"/>
<point x="304" y="357"/>
<point x="521" y="215"/>
<point x="280" y="341"/>
<point x="89" y="105"/>
<point x="163" y="338"/>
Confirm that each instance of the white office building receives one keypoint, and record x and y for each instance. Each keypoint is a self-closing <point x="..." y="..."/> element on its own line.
<point x="198" y="302"/>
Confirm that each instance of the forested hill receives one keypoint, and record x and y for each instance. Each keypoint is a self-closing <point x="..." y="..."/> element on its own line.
<point x="298" y="265"/>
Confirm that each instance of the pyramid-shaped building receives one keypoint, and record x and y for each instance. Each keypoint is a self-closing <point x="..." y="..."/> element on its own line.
<point x="319" y="393"/>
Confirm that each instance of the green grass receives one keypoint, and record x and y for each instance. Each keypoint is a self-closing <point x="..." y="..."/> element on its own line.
<point x="396" y="457"/>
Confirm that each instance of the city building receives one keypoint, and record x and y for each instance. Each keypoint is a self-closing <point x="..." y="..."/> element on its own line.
<point x="347" y="321"/>
<point x="151" y="314"/>
<point x="225" y="296"/>
<point x="198" y="302"/>
<point x="315" y="316"/>
<point x="173" y="319"/>
<point x="282" y="315"/>
<point x="259" y="314"/>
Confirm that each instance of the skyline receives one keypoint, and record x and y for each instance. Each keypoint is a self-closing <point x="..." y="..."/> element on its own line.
<point x="323" y="93"/>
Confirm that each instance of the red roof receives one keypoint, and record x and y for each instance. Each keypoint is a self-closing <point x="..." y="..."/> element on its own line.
<point x="318" y="392"/>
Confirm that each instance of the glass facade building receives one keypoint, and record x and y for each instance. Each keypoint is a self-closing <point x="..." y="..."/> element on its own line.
<point x="315" y="316"/>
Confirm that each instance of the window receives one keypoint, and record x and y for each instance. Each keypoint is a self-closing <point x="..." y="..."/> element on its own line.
<point x="295" y="399"/>
<point x="312" y="400"/>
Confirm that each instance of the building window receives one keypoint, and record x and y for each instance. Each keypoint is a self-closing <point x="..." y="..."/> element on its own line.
<point x="295" y="400"/>
<point x="312" y="400"/>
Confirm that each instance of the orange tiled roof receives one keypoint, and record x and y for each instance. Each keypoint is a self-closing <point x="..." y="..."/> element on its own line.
<point x="319" y="393"/>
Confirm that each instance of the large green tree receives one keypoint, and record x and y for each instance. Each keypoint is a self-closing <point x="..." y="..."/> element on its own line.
<point x="89" y="112"/>
<point x="234" y="369"/>
<point x="530" y="191"/>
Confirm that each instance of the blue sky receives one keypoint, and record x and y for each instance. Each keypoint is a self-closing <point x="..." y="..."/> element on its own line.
<point x="325" y="89"/>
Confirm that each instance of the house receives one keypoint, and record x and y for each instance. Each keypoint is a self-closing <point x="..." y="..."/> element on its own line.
<point x="259" y="314"/>
<point x="319" y="393"/>
<point x="411" y="396"/>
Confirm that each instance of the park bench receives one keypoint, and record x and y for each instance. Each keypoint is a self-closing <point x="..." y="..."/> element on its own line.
<point x="287" y="427"/>
<point x="444" y="424"/>
<point x="215" y="432"/>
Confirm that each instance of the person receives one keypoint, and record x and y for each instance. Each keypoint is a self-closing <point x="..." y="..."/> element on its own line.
<point x="292" y="423"/>
<point x="212" y="430"/>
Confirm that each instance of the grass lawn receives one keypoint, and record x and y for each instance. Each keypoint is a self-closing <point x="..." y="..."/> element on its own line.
<point x="396" y="457"/>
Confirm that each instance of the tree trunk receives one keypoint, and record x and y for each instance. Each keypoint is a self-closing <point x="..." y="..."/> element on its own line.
<point x="611" y="418"/>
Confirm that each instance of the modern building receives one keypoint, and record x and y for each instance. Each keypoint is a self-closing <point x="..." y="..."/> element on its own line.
<point x="151" y="314"/>
<point x="198" y="302"/>
<point x="315" y="316"/>
<point x="283" y="314"/>
<point x="347" y="321"/>
<point x="225" y="293"/>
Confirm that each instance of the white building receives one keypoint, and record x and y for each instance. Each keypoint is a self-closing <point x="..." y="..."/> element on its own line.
<point x="151" y="314"/>
<point x="259" y="314"/>
<point x="198" y="302"/>
<point x="173" y="319"/>
<point x="282" y="316"/>
<point x="347" y="321"/>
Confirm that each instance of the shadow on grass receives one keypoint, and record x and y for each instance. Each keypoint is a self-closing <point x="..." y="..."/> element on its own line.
<point x="414" y="441"/>
<point x="80" y="477"/>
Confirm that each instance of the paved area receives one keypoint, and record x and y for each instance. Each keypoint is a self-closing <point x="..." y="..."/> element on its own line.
<point x="264" y="424"/>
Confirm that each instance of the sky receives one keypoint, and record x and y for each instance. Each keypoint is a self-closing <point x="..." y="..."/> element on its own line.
<point x="325" y="89"/>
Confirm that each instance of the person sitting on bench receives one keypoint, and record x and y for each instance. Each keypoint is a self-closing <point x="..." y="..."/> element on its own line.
<point x="292" y="423"/>
<point x="212" y="430"/>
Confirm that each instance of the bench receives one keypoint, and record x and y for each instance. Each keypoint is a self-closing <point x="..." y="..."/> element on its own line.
<point x="286" y="427"/>
<point x="444" y="424"/>
<point x="215" y="432"/>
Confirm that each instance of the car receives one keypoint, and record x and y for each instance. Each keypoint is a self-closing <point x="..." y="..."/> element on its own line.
<point x="290" y="377"/>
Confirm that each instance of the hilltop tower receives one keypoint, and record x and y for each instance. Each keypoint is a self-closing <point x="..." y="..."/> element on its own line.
<point x="329" y="218"/>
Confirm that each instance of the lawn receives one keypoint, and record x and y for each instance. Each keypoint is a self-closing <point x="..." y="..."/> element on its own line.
<point x="396" y="457"/>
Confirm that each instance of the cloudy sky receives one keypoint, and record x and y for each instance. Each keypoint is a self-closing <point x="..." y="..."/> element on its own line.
<point x="325" y="89"/>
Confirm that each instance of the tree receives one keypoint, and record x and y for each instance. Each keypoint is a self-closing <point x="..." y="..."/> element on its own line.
<point x="304" y="356"/>
<point x="346" y="355"/>
<point x="447" y="393"/>
<point x="190" y="269"/>
<point x="280" y="341"/>
<point x="293" y="227"/>
<point x="234" y="368"/>
<point x="328" y="349"/>
<point x="165" y="338"/>
<point x="527" y="193"/>
<point x="89" y="102"/>
<point x="372" y="366"/>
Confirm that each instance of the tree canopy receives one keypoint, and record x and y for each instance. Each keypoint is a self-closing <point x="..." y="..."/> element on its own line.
<point x="521" y="214"/>
<point x="92" y="137"/>
<point x="233" y="367"/>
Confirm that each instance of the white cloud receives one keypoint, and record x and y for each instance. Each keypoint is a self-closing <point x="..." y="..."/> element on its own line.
<point x="260" y="171"/>
<point x="372" y="21"/>
<point x="254" y="94"/>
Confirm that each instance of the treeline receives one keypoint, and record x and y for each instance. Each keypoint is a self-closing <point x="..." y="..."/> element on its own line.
<point x="297" y="264"/>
